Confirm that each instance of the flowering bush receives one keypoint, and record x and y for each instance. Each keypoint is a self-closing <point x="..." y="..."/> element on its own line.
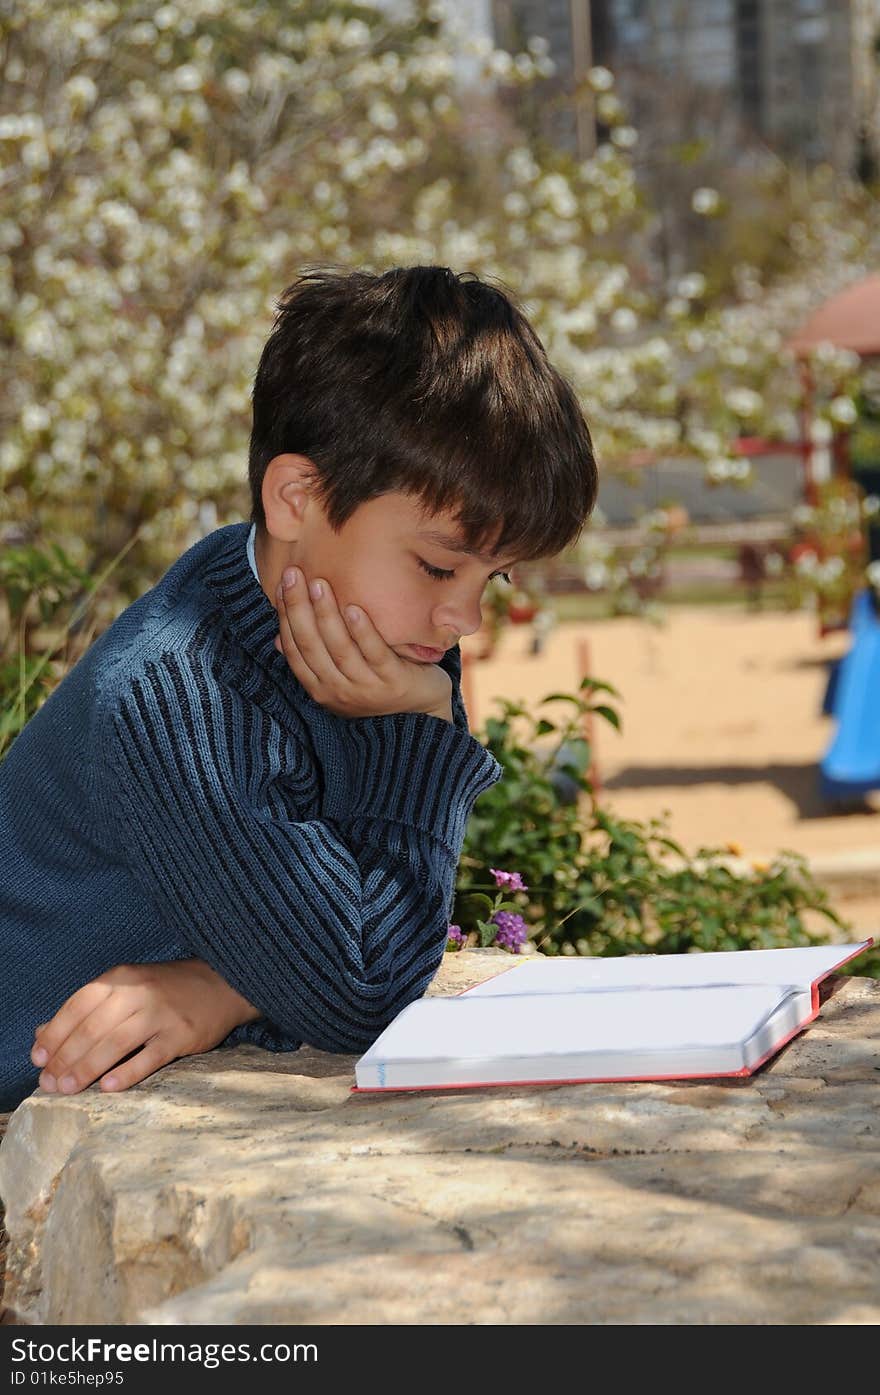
<point x="631" y="576"/>
<point x="170" y="168"/>
<point x="456" y="938"/>
<point x="502" y="926"/>
<point x="828" y="550"/>
<point x="591" y="883"/>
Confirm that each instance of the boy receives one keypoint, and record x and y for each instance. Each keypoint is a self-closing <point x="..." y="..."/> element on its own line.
<point x="239" y="816"/>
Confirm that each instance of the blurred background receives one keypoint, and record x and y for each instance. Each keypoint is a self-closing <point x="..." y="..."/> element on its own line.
<point x="683" y="194"/>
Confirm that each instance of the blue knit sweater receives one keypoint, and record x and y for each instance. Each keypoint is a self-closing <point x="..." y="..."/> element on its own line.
<point x="180" y="794"/>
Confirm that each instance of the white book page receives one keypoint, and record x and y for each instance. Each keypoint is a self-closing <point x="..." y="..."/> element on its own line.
<point x="566" y="1035"/>
<point x="539" y="974"/>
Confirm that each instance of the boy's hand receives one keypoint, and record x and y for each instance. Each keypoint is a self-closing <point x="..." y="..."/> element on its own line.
<point x="345" y="664"/>
<point x="169" y="1010"/>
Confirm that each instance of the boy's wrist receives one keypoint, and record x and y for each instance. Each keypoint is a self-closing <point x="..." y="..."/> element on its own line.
<point x="239" y="1007"/>
<point x="445" y="712"/>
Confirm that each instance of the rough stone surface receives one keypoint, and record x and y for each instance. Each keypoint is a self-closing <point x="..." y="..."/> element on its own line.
<point x="243" y="1187"/>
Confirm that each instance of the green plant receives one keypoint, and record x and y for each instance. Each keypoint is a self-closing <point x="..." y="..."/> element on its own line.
<point x="47" y="597"/>
<point x="521" y="822"/>
<point x="600" y="885"/>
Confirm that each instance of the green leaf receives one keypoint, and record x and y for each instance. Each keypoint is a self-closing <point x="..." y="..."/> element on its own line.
<point x="487" y="933"/>
<point x="609" y="714"/>
<point x="574" y="755"/>
<point x="481" y="901"/>
<point x="595" y="685"/>
<point x="563" y="697"/>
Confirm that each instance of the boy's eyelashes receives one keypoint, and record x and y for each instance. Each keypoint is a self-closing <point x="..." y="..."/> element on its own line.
<point x="441" y="574"/>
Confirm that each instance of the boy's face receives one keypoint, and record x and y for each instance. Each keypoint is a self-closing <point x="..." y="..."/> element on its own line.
<point x="422" y="593"/>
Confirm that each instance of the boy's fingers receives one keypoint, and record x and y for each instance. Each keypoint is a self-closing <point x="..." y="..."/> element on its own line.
<point x="368" y="639"/>
<point x="310" y="631"/>
<point x="54" y="1034"/>
<point x="96" y="1043"/>
<point x="77" y="1072"/>
<point x="153" y="1056"/>
<point x="105" y="1030"/>
<point x="299" y="617"/>
<point x="289" y="645"/>
<point x="337" y="636"/>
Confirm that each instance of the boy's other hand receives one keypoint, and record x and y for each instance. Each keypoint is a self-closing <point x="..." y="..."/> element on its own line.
<point x="344" y="663"/>
<point x="168" y="1010"/>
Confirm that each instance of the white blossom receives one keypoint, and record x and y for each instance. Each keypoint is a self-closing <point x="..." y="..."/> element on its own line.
<point x="691" y="286"/>
<point x="831" y="569"/>
<point x="744" y="402"/>
<point x="35" y="418"/>
<point x="600" y="79"/>
<point x="80" y="91"/>
<point x="596" y="576"/>
<point x="166" y="17"/>
<point x="609" y="108"/>
<point x="843" y="411"/>
<point x="705" y="201"/>
<point x="624" y="320"/>
<point x="236" y="81"/>
<point x="187" y="78"/>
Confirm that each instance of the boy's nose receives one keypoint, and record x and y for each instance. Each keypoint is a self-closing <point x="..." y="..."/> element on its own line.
<point x="459" y="618"/>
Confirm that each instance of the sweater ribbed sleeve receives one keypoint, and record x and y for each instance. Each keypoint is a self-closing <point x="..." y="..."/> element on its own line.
<point x="329" y="925"/>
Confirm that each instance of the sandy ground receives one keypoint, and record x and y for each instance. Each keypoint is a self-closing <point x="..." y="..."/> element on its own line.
<point x="722" y="727"/>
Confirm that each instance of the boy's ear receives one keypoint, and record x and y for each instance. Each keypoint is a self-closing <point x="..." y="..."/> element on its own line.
<point x="288" y="485"/>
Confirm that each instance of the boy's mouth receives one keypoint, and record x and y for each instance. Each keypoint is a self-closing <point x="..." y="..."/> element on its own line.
<point x="428" y="656"/>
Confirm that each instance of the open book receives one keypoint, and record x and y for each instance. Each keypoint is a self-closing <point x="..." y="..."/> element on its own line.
<point x="639" y="1017"/>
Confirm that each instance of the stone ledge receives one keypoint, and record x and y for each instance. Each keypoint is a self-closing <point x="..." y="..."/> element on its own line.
<point x="243" y="1187"/>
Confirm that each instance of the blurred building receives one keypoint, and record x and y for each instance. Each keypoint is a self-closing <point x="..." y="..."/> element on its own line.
<point x="799" y="76"/>
<point x="776" y="489"/>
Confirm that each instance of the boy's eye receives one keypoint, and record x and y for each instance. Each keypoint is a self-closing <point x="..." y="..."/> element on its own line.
<point x="440" y="574"/>
<point x="436" y="572"/>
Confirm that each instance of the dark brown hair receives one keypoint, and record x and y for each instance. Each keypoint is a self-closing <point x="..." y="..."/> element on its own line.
<point x="431" y="383"/>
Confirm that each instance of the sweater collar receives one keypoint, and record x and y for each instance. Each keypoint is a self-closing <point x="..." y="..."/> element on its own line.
<point x="246" y="609"/>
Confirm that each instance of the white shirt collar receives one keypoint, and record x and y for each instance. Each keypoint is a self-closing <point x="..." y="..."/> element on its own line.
<point x="250" y="550"/>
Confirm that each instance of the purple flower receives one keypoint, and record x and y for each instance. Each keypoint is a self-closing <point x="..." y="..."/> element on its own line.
<point x="512" y="933"/>
<point x="455" y="937"/>
<point x="512" y="880"/>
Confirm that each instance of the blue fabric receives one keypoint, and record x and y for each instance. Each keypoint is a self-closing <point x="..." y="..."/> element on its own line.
<point x="180" y="794"/>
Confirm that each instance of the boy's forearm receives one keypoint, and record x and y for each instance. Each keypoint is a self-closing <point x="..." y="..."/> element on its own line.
<point x="390" y="854"/>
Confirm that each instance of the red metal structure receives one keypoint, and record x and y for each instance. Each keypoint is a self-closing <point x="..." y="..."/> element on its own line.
<point x="848" y="320"/>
